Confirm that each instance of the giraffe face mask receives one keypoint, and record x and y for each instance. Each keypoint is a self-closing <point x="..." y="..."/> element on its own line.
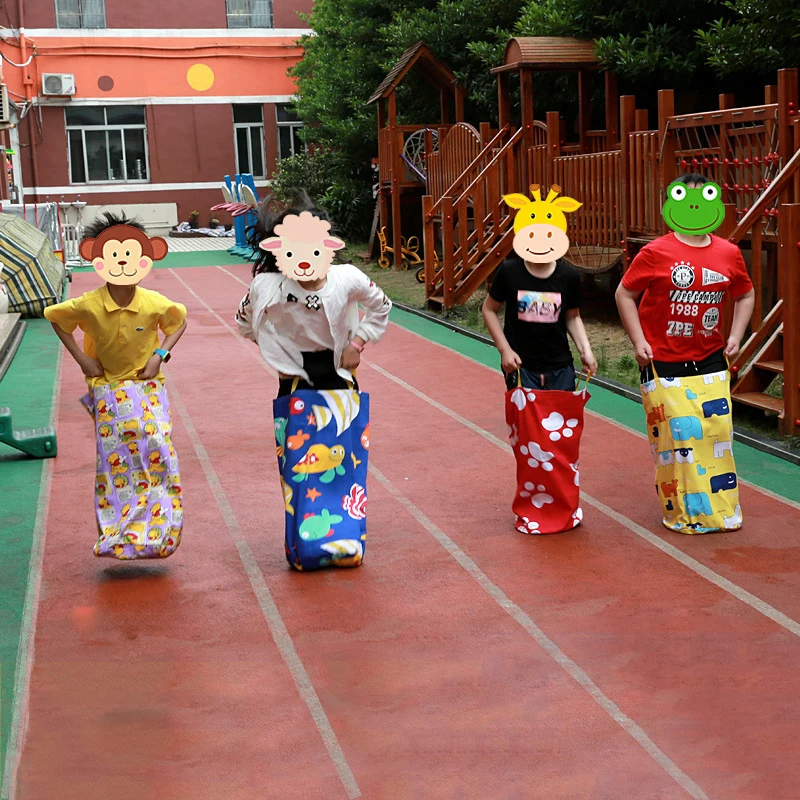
<point x="540" y="226"/>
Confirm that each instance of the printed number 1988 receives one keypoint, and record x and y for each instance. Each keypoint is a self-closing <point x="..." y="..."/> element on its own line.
<point x="687" y="309"/>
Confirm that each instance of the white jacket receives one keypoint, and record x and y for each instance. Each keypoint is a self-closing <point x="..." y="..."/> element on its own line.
<point x="347" y="286"/>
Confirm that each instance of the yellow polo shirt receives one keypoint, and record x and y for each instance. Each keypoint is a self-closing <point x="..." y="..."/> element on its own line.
<point x="121" y="339"/>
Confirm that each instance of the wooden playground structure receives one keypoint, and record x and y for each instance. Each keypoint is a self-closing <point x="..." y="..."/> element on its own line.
<point x="619" y="173"/>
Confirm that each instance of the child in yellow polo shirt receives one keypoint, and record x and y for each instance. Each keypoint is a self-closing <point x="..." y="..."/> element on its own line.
<point x="139" y="504"/>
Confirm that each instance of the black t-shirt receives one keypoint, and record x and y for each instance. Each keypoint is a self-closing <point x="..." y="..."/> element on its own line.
<point x="536" y="319"/>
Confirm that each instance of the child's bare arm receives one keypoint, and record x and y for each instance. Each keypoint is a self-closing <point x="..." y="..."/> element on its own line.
<point x="742" y="312"/>
<point x="171" y="340"/>
<point x="509" y="359"/>
<point x="577" y="331"/>
<point x="153" y="364"/>
<point x="91" y="367"/>
<point x="629" y="314"/>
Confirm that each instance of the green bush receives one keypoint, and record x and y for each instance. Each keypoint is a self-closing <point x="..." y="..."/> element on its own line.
<point x="350" y="205"/>
<point x="331" y="183"/>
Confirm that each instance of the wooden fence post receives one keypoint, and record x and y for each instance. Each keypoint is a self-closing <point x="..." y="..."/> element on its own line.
<point x="666" y="109"/>
<point x="553" y="145"/>
<point x="627" y="122"/>
<point x="613" y="134"/>
<point x="397" y="171"/>
<point x="448" y="263"/>
<point x="503" y="100"/>
<point x="428" y="241"/>
<point x="584" y="110"/>
<point x="787" y="110"/>
<point x="789" y="259"/>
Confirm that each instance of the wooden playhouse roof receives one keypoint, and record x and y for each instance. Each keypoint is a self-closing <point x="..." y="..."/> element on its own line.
<point x="425" y="61"/>
<point x="548" y="54"/>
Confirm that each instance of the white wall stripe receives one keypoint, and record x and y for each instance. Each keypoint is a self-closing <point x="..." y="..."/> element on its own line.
<point x="268" y="606"/>
<point x="30" y="612"/>
<point x="177" y="100"/>
<point x="167" y="33"/>
<point x="547" y="644"/>
<point x="128" y="188"/>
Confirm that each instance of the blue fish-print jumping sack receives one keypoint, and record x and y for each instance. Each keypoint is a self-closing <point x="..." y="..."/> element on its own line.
<point x="322" y="441"/>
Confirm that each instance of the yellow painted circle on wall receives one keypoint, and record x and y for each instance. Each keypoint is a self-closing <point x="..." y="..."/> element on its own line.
<point x="200" y="77"/>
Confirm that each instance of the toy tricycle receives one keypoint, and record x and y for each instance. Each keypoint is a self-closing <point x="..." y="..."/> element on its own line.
<point x="409" y="251"/>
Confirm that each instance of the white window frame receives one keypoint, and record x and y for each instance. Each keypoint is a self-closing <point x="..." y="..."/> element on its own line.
<point x="106" y="129"/>
<point x="237" y="126"/>
<point x="82" y="14"/>
<point x="249" y="16"/>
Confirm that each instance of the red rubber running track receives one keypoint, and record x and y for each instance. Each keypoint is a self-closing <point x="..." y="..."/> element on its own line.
<point x="463" y="660"/>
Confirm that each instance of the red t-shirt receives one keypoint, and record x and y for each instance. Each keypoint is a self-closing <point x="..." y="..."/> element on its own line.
<point x="684" y="291"/>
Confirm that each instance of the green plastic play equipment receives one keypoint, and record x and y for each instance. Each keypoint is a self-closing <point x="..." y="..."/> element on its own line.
<point x="36" y="442"/>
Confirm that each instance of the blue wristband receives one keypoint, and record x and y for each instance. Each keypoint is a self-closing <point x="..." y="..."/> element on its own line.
<point x="165" y="355"/>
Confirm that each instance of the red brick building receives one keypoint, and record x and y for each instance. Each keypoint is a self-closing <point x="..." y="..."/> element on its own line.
<point x="147" y="104"/>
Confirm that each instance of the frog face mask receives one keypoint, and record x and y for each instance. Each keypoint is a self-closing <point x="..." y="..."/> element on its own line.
<point x="693" y="212"/>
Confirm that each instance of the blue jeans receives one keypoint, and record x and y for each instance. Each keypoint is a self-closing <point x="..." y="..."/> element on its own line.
<point x="562" y="379"/>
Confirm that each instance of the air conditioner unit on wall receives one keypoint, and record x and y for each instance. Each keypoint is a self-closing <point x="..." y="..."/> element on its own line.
<point x="57" y="84"/>
<point x="5" y="106"/>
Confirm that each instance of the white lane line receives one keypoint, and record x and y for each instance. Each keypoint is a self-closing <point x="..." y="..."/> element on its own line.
<point x="756" y="603"/>
<point x="268" y="607"/>
<point x="235" y="277"/>
<point x="228" y="327"/>
<point x="547" y="644"/>
<point x="726" y="585"/>
<point x="639" y="434"/>
<point x="30" y="613"/>
<point x="700" y="569"/>
<point x="517" y="613"/>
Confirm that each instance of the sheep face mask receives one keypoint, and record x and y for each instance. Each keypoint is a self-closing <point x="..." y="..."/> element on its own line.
<point x="303" y="247"/>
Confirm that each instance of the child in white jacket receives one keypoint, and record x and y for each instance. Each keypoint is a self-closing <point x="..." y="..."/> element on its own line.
<point x="303" y="312"/>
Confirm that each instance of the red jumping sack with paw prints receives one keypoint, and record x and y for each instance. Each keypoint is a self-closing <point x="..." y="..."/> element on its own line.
<point x="545" y="428"/>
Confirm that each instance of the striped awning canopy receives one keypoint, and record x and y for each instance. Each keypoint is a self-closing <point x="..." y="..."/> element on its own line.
<point x="32" y="274"/>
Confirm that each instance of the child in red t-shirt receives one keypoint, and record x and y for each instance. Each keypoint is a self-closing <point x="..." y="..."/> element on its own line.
<point x="683" y="280"/>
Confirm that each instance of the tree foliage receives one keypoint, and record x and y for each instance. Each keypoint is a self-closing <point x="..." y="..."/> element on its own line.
<point x="756" y="35"/>
<point x="650" y="45"/>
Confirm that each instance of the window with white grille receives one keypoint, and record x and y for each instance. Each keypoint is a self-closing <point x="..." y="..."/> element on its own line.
<point x="80" y="13"/>
<point x="249" y="13"/>
<point x="248" y="129"/>
<point x="107" y="144"/>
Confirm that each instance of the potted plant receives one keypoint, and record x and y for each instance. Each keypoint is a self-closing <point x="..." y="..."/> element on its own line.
<point x="213" y="223"/>
<point x="194" y="217"/>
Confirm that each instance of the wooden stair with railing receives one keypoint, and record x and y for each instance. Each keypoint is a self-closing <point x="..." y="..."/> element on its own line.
<point x="773" y="348"/>
<point x="768" y="362"/>
<point x="477" y="226"/>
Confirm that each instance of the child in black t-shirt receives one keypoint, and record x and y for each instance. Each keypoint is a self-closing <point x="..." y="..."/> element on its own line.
<point x="542" y="306"/>
<point x="541" y="293"/>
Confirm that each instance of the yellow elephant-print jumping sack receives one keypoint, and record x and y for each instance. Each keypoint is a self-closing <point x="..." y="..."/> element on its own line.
<point x="690" y="430"/>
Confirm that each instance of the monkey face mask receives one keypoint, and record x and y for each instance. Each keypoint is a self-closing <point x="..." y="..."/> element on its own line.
<point x="123" y="254"/>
